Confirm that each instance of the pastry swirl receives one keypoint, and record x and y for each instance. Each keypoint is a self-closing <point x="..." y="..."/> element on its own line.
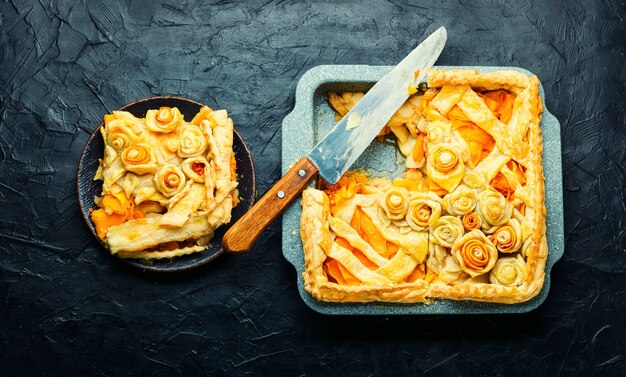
<point x="395" y="202"/>
<point x="508" y="271"/>
<point x="139" y="159"/>
<point x="192" y="141"/>
<point x="493" y="208"/>
<point x="169" y="180"/>
<point x="508" y="238"/>
<point x="461" y="201"/>
<point x="471" y="221"/>
<point x="164" y="120"/>
<point x="423" y="211"/>
<point x="475" y="253"/>
<point x="120" y="135"/>
<point x="445" y="159"/>
<point x="438" y="132"/>
<point x="444" y="166"/>
<point x="446" y="230"/>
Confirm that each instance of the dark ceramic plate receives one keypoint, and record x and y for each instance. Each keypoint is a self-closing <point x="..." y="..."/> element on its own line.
<point x="88" y="188"/>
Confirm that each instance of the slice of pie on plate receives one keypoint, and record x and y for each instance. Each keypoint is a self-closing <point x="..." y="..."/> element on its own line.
<point x="168" y="184"/>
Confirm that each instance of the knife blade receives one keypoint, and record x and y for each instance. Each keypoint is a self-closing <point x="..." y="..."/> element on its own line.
<point x="336" y="152"/>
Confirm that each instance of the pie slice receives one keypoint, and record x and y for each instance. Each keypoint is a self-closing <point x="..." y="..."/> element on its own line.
<point x="467" y="220"/>
<point x="167" y="183"/>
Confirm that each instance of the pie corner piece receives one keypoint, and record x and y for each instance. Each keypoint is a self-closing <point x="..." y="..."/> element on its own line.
<point x="467" y="219"/>
<point x="168" y="183"/>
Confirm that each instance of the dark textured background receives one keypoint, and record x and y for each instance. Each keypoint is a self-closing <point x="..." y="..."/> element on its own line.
<point x="66" y="308"/>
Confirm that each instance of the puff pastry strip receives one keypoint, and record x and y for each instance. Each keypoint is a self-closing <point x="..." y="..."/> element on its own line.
<point x="345" y="231"/>
<point x="510" y="80"/>
<point x="165" y="254"/>
<point x="142" y="234"/>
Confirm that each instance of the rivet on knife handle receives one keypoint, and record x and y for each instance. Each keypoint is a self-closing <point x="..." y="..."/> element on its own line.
<point x="242" y="235"/>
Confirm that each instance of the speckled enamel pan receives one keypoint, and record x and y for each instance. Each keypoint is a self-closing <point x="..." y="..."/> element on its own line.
<point x="312" y="118"/>
<point x="87" y="188"/>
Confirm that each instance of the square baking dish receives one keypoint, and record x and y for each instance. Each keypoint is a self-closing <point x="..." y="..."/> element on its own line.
<point x="312" y="117"/>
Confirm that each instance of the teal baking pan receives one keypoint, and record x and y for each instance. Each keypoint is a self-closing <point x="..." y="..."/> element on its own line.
<point x="312" y="118"/>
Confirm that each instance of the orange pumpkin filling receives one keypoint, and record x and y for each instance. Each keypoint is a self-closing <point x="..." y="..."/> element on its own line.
<point x="418" y="149"/>
<point x="198" y="168"/>
<point x="500" y="102"/>
<point x="114" y="210"/>
<point x="501" y="184"/>
<point x="418" y="273"/>
<point x="413" y="180"/>
<point x="344" y="189"/>
<point x="337" y="273"/>
<point x="422" y="214"/>
<point x="202" y="115"/>
<point x="479" y="141"/>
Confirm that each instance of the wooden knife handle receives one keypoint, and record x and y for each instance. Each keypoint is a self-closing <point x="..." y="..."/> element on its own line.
<point x="242" y="235"/>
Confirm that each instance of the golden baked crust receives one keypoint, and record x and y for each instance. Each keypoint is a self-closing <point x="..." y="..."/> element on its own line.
<point x="467" y="222"/>
<point x="167" y="183"/>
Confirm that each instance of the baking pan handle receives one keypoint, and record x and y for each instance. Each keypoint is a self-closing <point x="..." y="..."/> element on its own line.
<point x="242" y="235"/>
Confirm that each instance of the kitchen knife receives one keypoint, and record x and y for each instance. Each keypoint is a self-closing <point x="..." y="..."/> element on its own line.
<point x="338" y="150"/>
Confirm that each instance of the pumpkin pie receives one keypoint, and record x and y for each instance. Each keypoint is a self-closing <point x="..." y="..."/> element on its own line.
<point x="467" y="219"/>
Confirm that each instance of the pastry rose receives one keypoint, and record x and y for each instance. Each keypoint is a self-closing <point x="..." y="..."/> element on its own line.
<point x="171" y="144"/>
<point x="471" y="221"/>
<point x="493" y="209"/>
<point x="508" y="271"/>
<point x="194" y="168"/>
<point x="475" y="253"/>
<point x="192" y="141"/>
<point x="461" y="201"/>
<point x="120" y="135"/>
<point x="424" y="210"/>
<point x="445" y="159"/>
<point x="164" y="120"/>
<point x="169" y="180"/>
<point x="139" y="159"/>
<point x="446" y="230"/>
<point x="438" y="132"/>
<point x="444" y="166"/>
<point x="508" y="238"/>
<point x="395" y="202"/>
